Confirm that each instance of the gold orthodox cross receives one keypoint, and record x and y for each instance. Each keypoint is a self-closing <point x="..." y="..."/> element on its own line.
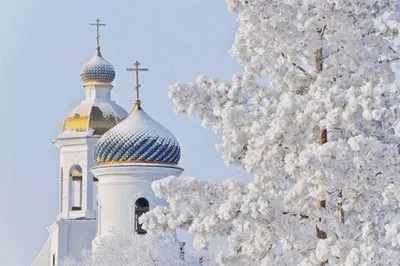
<point x="97" y="24"/>
<point x="137" y="69"/>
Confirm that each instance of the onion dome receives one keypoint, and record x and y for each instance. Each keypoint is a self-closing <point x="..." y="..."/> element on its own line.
<point x="93" y="118"/>
<point x="98" y="70"/>
<point x="138" y="139"/>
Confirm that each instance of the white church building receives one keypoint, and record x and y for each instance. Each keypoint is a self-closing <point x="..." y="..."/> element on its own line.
<point x="108" y="160"/>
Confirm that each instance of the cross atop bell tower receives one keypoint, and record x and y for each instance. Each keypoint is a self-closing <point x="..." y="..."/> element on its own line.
<point x="98" y="25"/>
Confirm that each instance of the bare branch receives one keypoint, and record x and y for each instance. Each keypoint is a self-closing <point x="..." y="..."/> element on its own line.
<point x="393" y="50"/>
<point x="322" y="32"/>
<point x="296" y="65"/>
<point x="355" y="238"/>
<point x="397" y="57"/>
<point x="319" y="61"/>
<point x="368" y="33"/>
<point x="300" y="68"/>
<point x="328" y="55"/>
<point x="389" y="60"/>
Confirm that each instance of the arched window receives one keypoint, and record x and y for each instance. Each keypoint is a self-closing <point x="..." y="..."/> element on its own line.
<point x="76" y="188"/>
<point x="141" y="206"/>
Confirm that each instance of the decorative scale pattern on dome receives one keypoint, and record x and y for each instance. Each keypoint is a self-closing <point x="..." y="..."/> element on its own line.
<point x="98" y="69"/>
<point x="138" y="139"/>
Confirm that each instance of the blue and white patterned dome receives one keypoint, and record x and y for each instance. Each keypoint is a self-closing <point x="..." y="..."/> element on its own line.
<point x="98" y="69"/>
<point x="139" y="139"/>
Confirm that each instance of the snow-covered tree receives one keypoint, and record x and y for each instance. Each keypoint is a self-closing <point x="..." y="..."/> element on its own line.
<point x="132" y="250"/>
<point x="318" y="139"/>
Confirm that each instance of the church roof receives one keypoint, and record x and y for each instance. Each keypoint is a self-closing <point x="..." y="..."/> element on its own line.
<point x="95" y="118"/>
<point x="138" y="138"/>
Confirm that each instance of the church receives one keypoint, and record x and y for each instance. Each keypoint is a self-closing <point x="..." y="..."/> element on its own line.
<point x="108" y="160"/>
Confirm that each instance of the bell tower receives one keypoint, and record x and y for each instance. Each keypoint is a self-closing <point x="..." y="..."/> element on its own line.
<point x="80" y="132"/>
<point x="77" y="187"/>
<point x="75" y="226"/>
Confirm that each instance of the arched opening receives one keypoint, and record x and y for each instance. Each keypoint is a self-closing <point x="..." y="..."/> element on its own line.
<point x="76" y="188"/>
<point x="141" y="206"/>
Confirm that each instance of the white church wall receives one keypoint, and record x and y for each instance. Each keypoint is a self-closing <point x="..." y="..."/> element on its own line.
<point x="95" y="202"/>
<point x="61" y="190"/>
<point x="120" y="186"/>
<point x="54" y="249"/>
<point x="44" y="255"/>
<point x="66" y="238"/>
<point x="91" y="187"/>
<point x="97" y="93"/>
<point x="80" y="236"/>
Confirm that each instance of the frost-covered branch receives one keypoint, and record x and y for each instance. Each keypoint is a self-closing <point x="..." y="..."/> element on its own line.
<point x="297" y="66"/>
<point x="272" y="133"/>
<point x="131" y="249"/>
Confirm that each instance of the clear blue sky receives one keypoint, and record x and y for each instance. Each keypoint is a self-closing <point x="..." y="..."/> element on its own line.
<point x="43" y="45"/>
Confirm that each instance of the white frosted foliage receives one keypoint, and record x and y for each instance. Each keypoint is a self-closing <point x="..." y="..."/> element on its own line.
<point x="131" y="249"/>
<point x="329" y="66"/>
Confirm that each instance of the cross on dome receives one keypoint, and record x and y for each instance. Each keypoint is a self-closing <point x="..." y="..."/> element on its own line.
<point x="97" y="24"/>
<point x="137" y="70"/>
<point x="98" y="70"/>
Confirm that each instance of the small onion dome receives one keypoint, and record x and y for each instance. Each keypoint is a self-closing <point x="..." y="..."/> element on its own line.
<point x="138" y="139"/>
<point x="98" y="69"/>
<point x="95" y="118"/>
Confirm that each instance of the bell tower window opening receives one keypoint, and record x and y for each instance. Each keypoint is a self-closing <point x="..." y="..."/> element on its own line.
<point x="76" y="188"/>
<point x="141" y="206"/>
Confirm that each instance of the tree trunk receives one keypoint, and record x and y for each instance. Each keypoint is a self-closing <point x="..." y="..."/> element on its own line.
<point x="319" y="61"/>
<point x="323" y="138"/>
<point x="321" y="204"/>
